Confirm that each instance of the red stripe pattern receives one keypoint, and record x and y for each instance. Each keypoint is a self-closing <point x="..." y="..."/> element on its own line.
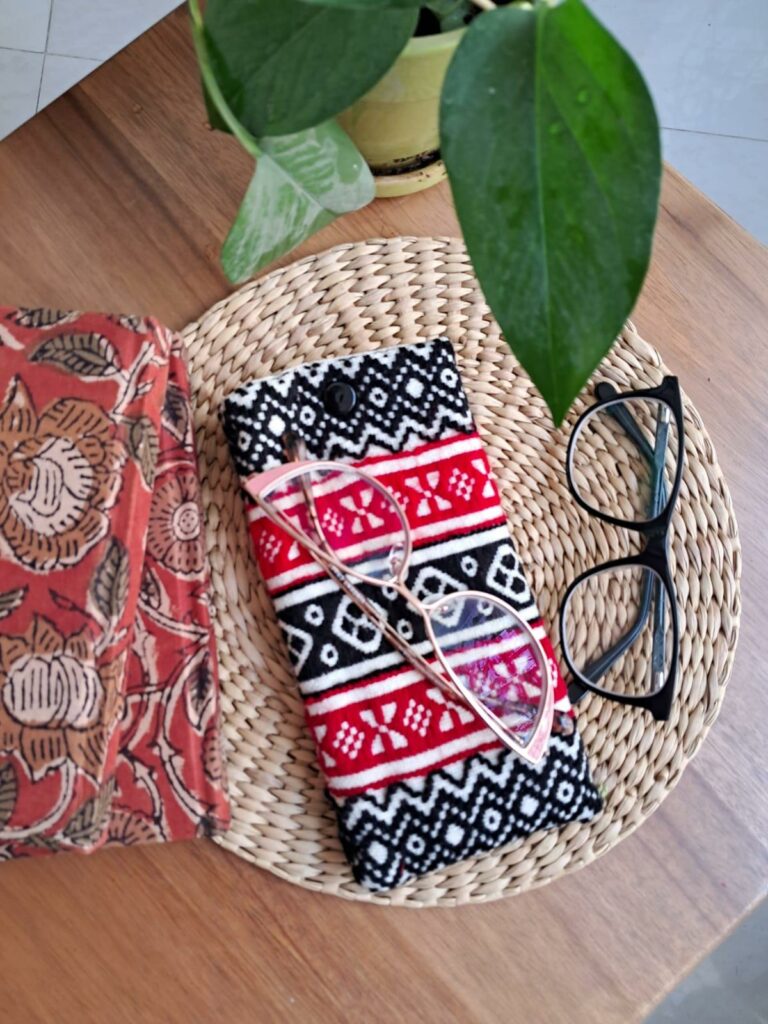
<point x="393" y="724"/>
<point x="417" y="782"/>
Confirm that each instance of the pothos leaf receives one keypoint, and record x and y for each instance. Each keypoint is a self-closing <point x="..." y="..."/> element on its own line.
<point x="364" y="5"/>
<point x="452" y="13"/>
<point x="551" y="143"/>
<point x="214" y="117"/>
<point x="302" y="182"/>
<point x="284" y="66"/>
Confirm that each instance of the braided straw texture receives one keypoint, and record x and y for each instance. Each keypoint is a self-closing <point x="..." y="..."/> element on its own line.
<point x="357" y="298"/>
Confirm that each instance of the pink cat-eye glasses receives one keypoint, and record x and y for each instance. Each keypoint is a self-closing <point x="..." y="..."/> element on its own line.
<point x="486" y="655"/>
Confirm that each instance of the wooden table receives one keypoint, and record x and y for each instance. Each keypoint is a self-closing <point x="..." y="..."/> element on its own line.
<point x="118" y="197"/>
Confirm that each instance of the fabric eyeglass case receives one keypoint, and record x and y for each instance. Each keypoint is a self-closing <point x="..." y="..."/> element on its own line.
<point x="416" y="779"/>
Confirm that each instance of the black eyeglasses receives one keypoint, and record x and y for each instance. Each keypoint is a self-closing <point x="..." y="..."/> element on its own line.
<point x="618" y="621"/>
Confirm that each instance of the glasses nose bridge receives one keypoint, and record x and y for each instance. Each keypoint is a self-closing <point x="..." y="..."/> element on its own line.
<point x="656" y="548"/>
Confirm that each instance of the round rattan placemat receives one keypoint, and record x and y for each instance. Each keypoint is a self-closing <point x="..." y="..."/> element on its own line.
<point x="358" y="297"/>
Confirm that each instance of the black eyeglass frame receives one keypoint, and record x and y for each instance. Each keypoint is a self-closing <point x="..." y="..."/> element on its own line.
<point x="654" y="555"/>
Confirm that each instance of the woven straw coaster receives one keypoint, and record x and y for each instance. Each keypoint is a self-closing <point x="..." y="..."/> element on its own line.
<point x="357" y="298"/>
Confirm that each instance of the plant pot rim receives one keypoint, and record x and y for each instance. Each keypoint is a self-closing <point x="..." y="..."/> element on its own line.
<point x="389" y="186"/>
<point x="418" y="46"/>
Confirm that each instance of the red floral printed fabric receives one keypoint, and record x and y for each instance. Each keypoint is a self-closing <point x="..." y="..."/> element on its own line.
<point x="108" y="686"/>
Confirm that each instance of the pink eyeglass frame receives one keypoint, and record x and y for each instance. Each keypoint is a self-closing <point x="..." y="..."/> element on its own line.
<point x="258" y="484"/>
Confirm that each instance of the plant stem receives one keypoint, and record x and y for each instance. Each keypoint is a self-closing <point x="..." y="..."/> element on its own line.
<point x="244" y="137"/>
<point x="485" y="5"/>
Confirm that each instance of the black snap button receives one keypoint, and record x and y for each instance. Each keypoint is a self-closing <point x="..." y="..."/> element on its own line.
<point x="339" y="398"/>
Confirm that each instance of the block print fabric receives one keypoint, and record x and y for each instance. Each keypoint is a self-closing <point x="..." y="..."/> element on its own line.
<point x="108" y="686"/>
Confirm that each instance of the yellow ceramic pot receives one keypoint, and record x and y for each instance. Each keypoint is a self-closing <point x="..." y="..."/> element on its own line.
<point x="395" y="125"/>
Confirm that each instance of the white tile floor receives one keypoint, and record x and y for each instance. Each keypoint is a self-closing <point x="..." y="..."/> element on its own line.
<point x="706" y="62"/>
<point x="46" y="46"/>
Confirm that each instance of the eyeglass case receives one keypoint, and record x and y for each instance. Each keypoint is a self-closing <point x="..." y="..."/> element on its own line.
<point x="416" y="780"/>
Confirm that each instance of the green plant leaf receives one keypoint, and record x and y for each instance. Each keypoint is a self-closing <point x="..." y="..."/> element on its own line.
<point x="302" y="182"/>
<point x="452" y="13"/>
<point x="284" y="65"/>
<point x="551" y="143"/>
<point x="366" y="4"/>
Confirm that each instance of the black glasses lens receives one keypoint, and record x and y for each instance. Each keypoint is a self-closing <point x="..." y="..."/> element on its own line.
<point x="624" y="458"/>
<point x="617" y="631"/>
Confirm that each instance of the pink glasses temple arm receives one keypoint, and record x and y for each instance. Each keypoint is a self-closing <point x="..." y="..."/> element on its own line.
<point x="257" y="483"/>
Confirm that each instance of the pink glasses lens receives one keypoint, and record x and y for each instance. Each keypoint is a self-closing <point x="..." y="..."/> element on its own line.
<point x="493" y="654"/>
<point x="348" y="515"/>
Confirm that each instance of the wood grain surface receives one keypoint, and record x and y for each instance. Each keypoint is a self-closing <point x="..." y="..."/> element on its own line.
<point x="118" y="197"/>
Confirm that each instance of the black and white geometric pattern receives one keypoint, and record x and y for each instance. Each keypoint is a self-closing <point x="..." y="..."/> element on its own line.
<point x="404" y="393"/>
<point x="470" y="807"/>
<point x="332" y="643"/>
<point x="407" y="396"/>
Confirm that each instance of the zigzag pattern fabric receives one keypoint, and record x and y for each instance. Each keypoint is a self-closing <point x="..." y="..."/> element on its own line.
<point x="470" y="806"/>
<point x="417" y="780"/>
